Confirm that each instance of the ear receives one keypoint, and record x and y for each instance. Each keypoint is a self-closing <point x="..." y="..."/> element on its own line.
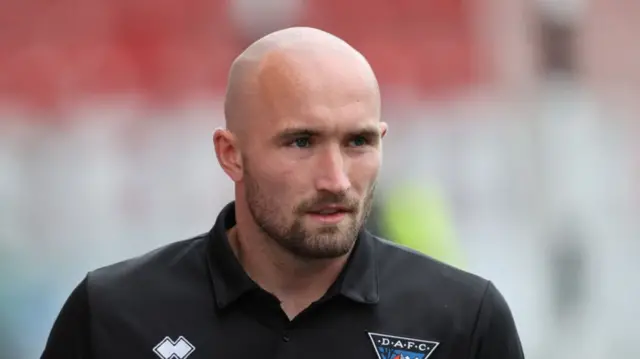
<point x="383" y="129"/>
<point x="228" y="153"/>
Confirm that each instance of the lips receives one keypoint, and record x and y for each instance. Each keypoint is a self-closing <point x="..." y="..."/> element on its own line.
<point x="329" y="215"/>
<point x="328" y="210"/>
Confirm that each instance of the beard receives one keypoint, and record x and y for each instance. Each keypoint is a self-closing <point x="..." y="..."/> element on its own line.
<point x="322" y="242"/>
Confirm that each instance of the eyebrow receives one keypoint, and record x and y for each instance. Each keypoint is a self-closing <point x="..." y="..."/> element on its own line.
<point x="293" y="133"/>
<point x="368" y="131"/>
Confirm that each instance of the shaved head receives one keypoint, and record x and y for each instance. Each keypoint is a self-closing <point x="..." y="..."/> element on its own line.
<point x="302" y="140"/>
<point x="285" y="62"/>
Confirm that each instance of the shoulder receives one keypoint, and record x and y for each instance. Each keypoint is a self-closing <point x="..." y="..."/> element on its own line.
<point x="402" y="270"/>
<point x="154" y="271"/>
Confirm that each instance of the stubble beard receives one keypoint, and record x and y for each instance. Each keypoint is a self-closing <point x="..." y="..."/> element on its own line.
<point x="322" y="243"/>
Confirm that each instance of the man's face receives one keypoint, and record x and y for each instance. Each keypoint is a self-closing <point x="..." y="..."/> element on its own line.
<point x="310" y="168"/>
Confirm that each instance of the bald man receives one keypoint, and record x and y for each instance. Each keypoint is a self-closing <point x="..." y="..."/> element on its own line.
<point x="287" y="269"/>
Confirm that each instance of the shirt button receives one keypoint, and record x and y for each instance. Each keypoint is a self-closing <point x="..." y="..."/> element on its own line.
<point x="285" y="338"/>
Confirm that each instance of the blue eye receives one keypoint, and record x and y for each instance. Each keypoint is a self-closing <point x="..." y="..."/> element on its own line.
<point x="359" y="141"/>
<point x="302" y="142"/>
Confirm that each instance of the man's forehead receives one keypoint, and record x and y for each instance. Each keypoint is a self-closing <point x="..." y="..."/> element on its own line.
<point x="324" y="99"/>
<point x="327" y="113"/>
<point x="313" y="90"/>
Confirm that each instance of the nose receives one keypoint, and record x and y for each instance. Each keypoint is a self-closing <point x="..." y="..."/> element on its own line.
<point x="331" y="172"/>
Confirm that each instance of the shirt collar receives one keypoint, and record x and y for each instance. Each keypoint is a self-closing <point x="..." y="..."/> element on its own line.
<point x="358" y="280"/>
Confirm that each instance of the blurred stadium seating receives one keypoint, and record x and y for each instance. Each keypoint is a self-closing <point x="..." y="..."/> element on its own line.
<point x="56" y="52"/>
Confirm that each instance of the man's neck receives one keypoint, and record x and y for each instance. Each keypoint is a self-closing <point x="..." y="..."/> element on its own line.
<point x="296" y="282"/>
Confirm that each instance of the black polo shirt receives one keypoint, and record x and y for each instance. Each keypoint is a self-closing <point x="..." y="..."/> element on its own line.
<point x="193" y="299"/>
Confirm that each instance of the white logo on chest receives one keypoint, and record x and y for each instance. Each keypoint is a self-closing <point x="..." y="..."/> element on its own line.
<point x="169" y="349"/>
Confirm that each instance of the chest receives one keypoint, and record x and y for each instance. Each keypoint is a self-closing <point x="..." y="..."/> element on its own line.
<point x="333" y="331"/>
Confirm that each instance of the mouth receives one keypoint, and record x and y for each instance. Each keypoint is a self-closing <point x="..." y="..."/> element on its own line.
<point x="330" y="214"/>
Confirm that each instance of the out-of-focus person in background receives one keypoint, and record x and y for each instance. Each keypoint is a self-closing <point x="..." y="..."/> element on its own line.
<point x="418" y="216"/>
<point x="288" y="264"/>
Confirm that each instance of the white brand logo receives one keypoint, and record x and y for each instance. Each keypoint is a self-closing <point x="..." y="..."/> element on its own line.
<point x="169" y="349"/>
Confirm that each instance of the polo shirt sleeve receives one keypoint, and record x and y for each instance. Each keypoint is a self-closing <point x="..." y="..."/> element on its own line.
<point x="496" y="333"/>
<point x="70" y="336"/>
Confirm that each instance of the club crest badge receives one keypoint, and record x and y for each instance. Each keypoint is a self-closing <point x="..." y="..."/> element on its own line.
<point x="393" y="347"/>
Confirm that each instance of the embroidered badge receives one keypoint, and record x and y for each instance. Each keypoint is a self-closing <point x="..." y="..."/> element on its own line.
<point x="393" y="347"/>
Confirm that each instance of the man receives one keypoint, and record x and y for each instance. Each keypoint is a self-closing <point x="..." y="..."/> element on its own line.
<point x="287" y="270"/>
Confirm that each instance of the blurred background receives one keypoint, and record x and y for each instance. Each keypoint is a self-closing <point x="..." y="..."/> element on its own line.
<point x="512" y="151"/>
